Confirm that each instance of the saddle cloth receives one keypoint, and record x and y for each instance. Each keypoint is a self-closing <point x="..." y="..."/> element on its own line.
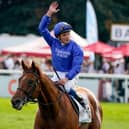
<point x="84" y="113"/>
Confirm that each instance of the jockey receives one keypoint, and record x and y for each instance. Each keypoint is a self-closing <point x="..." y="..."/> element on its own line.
<point x="67" y="56"/>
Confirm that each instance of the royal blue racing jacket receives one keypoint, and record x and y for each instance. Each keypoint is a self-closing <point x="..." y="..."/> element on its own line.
<point x="65" y="58"/>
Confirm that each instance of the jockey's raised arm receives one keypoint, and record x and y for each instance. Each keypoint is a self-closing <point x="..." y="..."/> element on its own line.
<point x="53" y="8"/>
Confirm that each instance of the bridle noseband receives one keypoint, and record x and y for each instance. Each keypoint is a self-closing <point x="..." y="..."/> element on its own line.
<point x="30" y="92"/>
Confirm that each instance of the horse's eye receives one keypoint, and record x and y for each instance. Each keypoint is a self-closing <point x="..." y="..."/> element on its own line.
<point x="30" y="82"/>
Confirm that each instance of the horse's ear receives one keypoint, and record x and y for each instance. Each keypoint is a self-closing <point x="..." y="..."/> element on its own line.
<point x="33" y="65"/>
<point x="35" y="68"/>
<point x="24" y="65"/>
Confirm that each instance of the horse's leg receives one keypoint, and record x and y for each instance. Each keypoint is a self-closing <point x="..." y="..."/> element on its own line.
<point x="95" y="125"/>
<point x="97" y="119"/>
<point x="84" y="126"/>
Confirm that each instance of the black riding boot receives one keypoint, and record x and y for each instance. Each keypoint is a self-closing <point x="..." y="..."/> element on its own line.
<point x="78" y="98"/>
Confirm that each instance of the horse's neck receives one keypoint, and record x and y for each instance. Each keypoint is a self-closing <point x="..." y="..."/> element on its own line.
<point x="48" y="97"/>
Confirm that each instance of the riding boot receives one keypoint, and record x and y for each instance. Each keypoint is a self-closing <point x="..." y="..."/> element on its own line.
<point x="77" y="97"/>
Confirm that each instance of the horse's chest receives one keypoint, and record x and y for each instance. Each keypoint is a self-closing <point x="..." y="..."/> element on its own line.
<point x="51" y="124"/>
<point x="60" y="123"/>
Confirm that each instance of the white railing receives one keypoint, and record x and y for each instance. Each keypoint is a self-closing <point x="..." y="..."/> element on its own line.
<point x="109" y="76"/>
<point x="85" y="76"/>
<point x="3" y="71"/>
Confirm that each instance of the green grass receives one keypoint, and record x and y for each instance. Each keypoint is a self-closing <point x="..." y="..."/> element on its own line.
<point x="13" y="119"/>
<point x="116" y="116"/>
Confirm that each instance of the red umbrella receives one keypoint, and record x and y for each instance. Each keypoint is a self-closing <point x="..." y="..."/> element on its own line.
<point x="125" y="49"/>
<point x="99" y="47"/>
<point x="113" y="55"/>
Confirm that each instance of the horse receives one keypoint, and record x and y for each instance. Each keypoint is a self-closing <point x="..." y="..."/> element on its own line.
<point x="55" y="110"/>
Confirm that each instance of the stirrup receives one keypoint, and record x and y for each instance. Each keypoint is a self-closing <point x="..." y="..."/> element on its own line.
<point x="82" y="103"/>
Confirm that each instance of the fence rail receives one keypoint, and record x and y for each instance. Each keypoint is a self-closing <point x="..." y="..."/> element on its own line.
<point x="85" y="76"/>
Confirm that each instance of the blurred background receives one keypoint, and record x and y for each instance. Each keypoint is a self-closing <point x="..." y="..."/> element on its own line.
<point x="20" y="17"/>
<point x="100" y="28"/>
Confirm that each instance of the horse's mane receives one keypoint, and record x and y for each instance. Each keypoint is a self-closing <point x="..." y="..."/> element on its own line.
<point x="34" y="68"/>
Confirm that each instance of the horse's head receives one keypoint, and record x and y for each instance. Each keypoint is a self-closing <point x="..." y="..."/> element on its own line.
<point x="28" y="86"/>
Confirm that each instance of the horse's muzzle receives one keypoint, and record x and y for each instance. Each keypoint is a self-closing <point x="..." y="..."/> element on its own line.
<point x="18" y="103"/>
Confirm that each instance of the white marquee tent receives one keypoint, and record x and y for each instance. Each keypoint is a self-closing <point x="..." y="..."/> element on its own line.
<point x="38" y="46"/>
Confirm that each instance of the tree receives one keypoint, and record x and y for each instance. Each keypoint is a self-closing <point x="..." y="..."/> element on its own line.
<point x="108" y="13"/>
<point x="23" y="16"/>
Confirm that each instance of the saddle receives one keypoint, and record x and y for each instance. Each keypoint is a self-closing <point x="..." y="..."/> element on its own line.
<point x="74" y="104"/>
<point x="84" y="114"/>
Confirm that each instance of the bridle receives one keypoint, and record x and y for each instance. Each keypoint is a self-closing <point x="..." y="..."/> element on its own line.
<point x="29" y="93"/>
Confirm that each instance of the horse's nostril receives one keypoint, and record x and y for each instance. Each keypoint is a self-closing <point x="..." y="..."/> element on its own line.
<point x="16" y="102"/>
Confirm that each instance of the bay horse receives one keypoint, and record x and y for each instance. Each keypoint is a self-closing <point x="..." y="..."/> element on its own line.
<point x="55" y="109"/>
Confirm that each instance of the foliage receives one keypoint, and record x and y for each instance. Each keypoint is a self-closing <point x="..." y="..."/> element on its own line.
<point x="108" y="13"/>
<point x="23" y="16"/>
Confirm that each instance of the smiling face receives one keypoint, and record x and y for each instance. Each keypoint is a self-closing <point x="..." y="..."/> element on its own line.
<point x="64" y="37"/>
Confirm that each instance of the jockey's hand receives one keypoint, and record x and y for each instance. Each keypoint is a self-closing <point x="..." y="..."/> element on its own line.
<point x="63" y="81"/>
<point x="53" y="8"/>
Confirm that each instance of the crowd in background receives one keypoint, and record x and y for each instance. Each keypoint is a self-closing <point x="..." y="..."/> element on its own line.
<point x="119" y="66"/>
<point x="112" y="67"/>
<point x="11" y="62"/>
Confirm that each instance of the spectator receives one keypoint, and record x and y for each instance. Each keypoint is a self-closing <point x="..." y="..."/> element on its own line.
<point x="105" y="66"/>
<point x="9" y="62"/>
<point x="48" y="65"/>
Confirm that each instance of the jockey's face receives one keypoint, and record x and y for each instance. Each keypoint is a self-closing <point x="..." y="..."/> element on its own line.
<point x="64" y="37"/>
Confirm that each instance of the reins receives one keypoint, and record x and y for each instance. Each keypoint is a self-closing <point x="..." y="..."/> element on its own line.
<point x="59" y="79"/>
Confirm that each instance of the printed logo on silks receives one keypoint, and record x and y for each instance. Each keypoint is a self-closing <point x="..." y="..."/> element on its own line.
<point x="61" y="53"/>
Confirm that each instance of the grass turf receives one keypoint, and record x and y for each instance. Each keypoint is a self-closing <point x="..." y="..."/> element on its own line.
<point x="116" y="116"/>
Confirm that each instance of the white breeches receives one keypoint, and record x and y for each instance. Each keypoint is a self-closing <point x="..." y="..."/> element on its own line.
<point x="70" y="84"/>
